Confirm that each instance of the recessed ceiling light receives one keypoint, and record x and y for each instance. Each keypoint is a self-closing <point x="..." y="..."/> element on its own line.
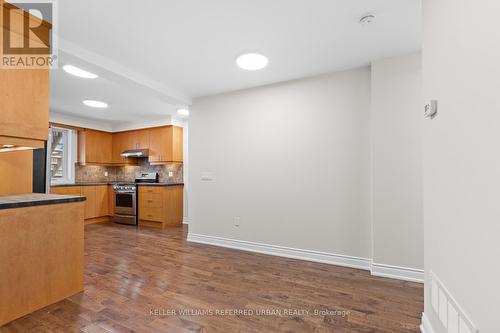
<point x="252" y="61"/>
<point x="95" y="104"/>
<point x="79" y="72"/>
<point x="183" y="112"/>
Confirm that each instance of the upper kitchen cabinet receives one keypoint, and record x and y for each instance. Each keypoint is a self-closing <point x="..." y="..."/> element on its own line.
<point x="95" y="147"/>
<point x="24" y="93"/>
<point x="165" y="144"/>
<point x="139" y="139"/>
<point x="122" y="141"/>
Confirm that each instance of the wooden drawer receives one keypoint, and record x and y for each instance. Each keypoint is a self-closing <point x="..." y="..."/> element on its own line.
<point x="152" y="200"/>
<point x="151" y="214"/>
<point x="150" y="189"/>
<point x="66" y="190"/>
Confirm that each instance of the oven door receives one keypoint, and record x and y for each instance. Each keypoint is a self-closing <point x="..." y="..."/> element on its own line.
<point x="125" y="203"/>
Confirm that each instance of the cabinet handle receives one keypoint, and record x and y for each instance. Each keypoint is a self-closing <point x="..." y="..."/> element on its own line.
<point x="150" y="201"/>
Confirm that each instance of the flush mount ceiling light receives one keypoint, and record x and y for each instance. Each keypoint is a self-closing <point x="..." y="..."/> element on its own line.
<point x="73" y="70"/>
<point x="183" y="112"/>
<point x="252" y="61"/>
<point x="367" y="19"/>
<point x="95" y="104"/>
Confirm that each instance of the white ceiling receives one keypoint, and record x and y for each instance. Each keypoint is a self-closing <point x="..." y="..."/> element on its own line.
<point x="157" y="55"/>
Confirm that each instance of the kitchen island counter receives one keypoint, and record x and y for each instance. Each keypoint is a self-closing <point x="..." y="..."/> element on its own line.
<point x="35" y="199"/>
<point x="41" y="252"/>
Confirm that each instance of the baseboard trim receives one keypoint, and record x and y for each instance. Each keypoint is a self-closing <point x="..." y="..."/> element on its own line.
<point x="102" y="219"/>
<point x="282" y="251"/>
<point x="426" y="326"/>
<point x="397" y="272"/>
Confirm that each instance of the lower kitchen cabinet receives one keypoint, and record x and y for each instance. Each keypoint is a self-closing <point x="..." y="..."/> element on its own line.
<point x="98" y="205"/>
<point x="160" y="206"/>
<point x="90" y="211"/>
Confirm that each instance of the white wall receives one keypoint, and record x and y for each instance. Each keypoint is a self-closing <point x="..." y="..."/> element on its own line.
<point x="396" y="130"/>
<point x="461" y="57"/>
<point x="291" y="160"/>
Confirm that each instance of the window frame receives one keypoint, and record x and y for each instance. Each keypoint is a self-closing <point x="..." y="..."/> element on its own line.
<point x="68" y="156"/>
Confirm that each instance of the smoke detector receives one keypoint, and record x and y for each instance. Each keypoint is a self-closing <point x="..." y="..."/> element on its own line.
<point x="367" y="19"/>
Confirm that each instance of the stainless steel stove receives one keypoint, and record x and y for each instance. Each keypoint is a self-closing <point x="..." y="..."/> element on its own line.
<point x="126" y="198"/>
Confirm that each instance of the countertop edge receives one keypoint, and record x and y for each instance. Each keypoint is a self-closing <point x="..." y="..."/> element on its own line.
<point x="113" y="183"/>
<point x="24" y="204"/>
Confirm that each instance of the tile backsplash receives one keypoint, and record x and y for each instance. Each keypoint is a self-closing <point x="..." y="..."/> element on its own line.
<point x="92" y="173"/>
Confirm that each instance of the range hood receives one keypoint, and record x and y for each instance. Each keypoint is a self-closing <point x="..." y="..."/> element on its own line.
<point x="137" y="153"/>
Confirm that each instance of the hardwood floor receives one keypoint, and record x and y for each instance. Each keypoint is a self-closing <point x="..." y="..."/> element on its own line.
<point x="136" y="278"/>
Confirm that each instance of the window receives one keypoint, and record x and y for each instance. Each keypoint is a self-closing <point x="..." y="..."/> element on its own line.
<point x="62" y="155"/>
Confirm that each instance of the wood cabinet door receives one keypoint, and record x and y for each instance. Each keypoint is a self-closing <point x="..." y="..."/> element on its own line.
<point x="111" y="200"/>
<point x="95" y="147"/>
<point x="160" y="139"/>
<point x="120" y="144"/>
<point x="177" y="144"/>
<point x="25" y="103"/>
<point x="24" y="93"/>
<point x="90" y="204"/>
<point x="102" y="200"/>
<point x="174" y="201"/>
<point x="99" y="147"/>
<point x="142" y="139"/>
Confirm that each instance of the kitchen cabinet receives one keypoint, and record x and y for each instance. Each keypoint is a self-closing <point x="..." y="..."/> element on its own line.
<point x="139" y="139"/>
<point x="102" y="201"/>
<point x="41" y="257"/>
<point x="160" y="206"/>
<point x="165" y="144"/>
<point x="24" y="96"/>
<point x="98" y="205"/>
<point x="122" y="141"/>
<point x="95" y="147"/>
<point x="16" y="179"/>
<point x="91" y="202"/>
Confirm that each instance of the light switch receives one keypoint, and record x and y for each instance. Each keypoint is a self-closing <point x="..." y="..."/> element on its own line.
<point x="207" y="176"/>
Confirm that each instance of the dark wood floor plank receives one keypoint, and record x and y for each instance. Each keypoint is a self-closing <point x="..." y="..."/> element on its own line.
<point x="131" y="273"/>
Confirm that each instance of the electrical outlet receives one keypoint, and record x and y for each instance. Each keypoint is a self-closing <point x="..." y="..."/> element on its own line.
<point x="236" y="221"/>
<point x="170" y="174"/>
<point x="106" y="173"/>
<point x="430" y="110"/>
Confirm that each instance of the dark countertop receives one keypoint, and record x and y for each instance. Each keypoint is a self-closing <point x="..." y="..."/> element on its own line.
<point x="160" y="184"/>
<point x="84" y="184"/>
<point x="113" y="183"/>
<point x="36" y="199"/>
